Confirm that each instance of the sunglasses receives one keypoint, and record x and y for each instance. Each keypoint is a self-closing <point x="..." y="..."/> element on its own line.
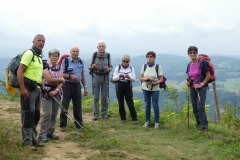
<point x="149" y="56"/>
<point x="125" y="61"/>
<point x="192" y="52"/>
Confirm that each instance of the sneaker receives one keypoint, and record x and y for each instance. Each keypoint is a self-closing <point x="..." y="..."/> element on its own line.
<point x="146" y="124"/>
<point x="53" y="136"/>
<point x="105" y="116"/>
<point x="156" y="126"/>
<point x="135" y="122"/>
<point x="42" y="139"/>
<point x="62" y="129"/>
<point x="123" y="121"/>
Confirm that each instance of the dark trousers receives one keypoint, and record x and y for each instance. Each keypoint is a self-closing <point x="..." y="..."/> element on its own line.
<point x="124" y="89"/>
<point x="198" y="98"/>
<point x="72" y="91"/>
<point x="30" y="115"/>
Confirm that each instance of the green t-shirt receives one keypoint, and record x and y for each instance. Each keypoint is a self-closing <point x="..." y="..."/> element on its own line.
<point x="34" y="68"/>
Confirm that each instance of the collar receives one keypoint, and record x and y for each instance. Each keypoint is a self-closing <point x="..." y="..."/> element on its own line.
<point x="150" y="64"/>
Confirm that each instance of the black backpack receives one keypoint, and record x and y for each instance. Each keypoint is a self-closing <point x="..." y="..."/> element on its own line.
<point x="163" y="83"/>
<point x="13" y="67"/>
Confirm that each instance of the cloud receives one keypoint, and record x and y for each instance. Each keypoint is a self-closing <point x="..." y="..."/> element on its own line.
<point x="139" y="26"/>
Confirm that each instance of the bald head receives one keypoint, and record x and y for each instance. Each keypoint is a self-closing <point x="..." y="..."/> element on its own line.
<point x="74" y="52"/>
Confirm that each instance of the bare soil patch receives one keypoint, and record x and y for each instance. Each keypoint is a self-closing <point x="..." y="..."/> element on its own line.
<point x="54" y="150"/>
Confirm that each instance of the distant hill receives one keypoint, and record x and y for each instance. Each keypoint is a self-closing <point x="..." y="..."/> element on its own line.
<point x="174" y="67"/>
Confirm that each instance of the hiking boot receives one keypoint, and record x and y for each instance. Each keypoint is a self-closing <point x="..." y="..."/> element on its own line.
<point x="37" y="144"/>
<point x="146" y="124"/>
<point x="53" y="136"/>
<point x="81" y="126"/>
<point x="95" y="118"/>
<point x="105" y="116"/>
<point x="30" y="147"/>
<point x="135" y="122"/>
<point x="42" y="139"/>
<point x="156" y="126"/>
<point x="197" y="126"/>
<point x="62" y="129"/>
<point x="123" y="121"/>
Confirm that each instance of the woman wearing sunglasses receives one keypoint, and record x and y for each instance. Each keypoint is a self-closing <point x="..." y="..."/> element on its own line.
<point x="150" y="86"/>
<point x="197" y="82"/>
<point x="123" y="77"/>
<point x="53" y="81"/>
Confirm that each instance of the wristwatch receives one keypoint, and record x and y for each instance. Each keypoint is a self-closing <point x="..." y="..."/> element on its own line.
<point x="57" y="90"/>
<point x="85" y="86"/>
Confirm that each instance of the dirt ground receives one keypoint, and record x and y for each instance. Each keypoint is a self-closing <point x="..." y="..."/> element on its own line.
<point x="57" y="150"/>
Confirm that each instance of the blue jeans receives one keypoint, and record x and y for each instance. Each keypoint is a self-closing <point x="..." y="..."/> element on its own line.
<point x="199" y="106"/>
<point x="148" y="96"/>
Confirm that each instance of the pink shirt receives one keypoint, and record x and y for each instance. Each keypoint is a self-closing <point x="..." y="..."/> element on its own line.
<point x="194" y="72"/>
<point x="55" y="72"/>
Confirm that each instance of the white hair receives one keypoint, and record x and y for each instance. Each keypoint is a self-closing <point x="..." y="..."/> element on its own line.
<point x="38" y="35"/>
<point x="101" y="41"/>
<point x="126" y="56"/>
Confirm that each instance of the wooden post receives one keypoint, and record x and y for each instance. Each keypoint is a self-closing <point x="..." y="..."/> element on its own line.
<point x="216" y="102"/>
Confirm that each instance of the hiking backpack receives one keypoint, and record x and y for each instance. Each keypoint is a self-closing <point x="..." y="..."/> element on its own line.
<point x="163" y="83"/>
<point x="12" y="68"/>
<point x="207" y="59"/>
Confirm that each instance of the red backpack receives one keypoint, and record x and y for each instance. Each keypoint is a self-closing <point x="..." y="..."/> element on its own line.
<point x="207" y="59"/>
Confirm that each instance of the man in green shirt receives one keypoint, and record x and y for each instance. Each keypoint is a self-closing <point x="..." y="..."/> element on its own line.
<point x="29" y="77"/>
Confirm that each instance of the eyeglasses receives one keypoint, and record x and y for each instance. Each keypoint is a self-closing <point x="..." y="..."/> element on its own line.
<point x="125" y="61"/>
<point x="192" y="52"/>
<point x="149" y="56"/>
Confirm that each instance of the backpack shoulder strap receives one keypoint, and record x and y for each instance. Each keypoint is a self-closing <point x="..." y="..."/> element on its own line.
<point x="144" y="67"/>
<point x="108" y="57"/>
<point x="32" y="55"/>
<point x="119" y="67"/>
<point x="188" y="67"/>
<point x="81" y="62"/>
<point x="94" y="57"/>
<point x="156" y="68"/>
<point x="200" y="62"/>
<point x="66" y="64"/>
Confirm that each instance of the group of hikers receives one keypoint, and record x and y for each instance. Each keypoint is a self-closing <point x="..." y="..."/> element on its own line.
<point x="46" y="85"/>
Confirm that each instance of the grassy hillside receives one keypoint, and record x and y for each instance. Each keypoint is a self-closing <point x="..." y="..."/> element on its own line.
<point x="110" y="139"/>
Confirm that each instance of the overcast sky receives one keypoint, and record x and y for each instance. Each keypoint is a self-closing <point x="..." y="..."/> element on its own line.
<point x="131" y="27"/>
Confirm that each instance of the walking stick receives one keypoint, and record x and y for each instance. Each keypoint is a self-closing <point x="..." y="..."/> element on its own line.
<point x="188" y="106"/>
<point x="69" y="116"/>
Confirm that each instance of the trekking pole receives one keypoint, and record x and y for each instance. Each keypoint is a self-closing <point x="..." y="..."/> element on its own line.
<point x="108" y="100"/>
<point x="188" y="98"/>
<point x="69" y="116"/>
<point x="202" y="110"/>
